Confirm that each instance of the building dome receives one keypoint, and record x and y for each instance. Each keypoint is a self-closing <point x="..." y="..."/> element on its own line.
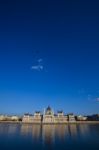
<point x="49" y="111"/>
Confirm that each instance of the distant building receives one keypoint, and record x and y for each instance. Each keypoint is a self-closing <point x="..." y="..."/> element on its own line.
<point x="81" y="118"/>
<point x="71" y="118"/>
<point x="8" y="118"/>
<point x="14" y="118"/>
<point x="61" y="118"/>
<point x="48" y="116"/>
<point x="94" y="117"/>
<point x="2" y="117"/>
<point x="28" y="118"/>
<point x="37" y="117"/>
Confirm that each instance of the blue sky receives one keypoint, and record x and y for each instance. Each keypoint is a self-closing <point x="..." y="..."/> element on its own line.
<point x="49" y="55"/>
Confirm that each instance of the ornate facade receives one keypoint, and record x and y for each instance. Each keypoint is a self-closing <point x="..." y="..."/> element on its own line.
<point x="71" y="118"/>
<point x="36" y="118"/>
<point x="48" y="117"/>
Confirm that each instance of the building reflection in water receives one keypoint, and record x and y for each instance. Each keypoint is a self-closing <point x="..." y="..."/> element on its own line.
<point x="3" y="128"/>
<point x="77" y="131"/>
<point x="31" y="131"/>
<point x="12" y="129"/>
<point x="61" y="132"/>
<point x="84" y="130"/>
<point x="8" y="128"/>
<point x="49" y="134"/>
<point x="26" y="129"/>
<point x="36" y="131"/>
<point x="73" y="130"/>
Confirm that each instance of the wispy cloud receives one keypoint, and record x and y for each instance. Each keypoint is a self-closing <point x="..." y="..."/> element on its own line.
<point x="97" y="99"/>
<point x="93" y="99"/>
<point x="37" y="67"/>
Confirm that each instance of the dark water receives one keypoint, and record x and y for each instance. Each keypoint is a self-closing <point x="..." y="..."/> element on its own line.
<point x="58" y="137"/>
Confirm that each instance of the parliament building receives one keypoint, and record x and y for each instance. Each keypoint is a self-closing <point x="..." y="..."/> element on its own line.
<point x="48" y="117"/>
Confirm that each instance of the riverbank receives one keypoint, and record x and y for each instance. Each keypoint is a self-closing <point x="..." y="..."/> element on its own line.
<point x="77" y="122"/>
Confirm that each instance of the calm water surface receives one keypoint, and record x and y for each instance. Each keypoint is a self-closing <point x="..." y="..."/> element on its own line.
<point x="60" y="137"/>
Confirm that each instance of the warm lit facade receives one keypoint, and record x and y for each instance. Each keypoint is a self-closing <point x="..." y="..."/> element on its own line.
<point x="2" y="117"/>
<point x="81" y="118"/>
<point x="61" y="118"/>
<point x="71" y="117"/>
<point x="36" y="118"/>
<point x="9" y="118"/>
<point x="47" y="117"/>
